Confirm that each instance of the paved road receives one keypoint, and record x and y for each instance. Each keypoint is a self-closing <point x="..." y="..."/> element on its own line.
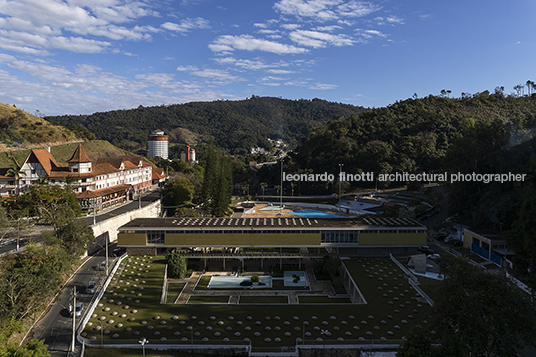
<point x="56" y="326"/>
<point x="130" y="206"/>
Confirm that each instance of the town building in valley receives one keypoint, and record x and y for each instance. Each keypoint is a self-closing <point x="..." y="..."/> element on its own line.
<point x="97" y="183"/>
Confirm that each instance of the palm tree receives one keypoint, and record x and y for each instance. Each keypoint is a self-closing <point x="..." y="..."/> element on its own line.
<point x="42" y="181"/>
<point x="17" y="174"/>
<point x="263" y="186"/>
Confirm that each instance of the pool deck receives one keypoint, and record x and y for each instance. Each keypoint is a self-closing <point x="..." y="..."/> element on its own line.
<point x="286" y="212"/>
<point x="317" y="288"/>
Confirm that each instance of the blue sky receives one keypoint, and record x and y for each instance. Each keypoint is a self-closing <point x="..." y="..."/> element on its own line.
<point x="83" y="56"/>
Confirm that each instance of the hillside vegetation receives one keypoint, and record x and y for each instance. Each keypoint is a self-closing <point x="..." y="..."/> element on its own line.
<point x="95" y="149"/>
<point x="416" y="134"/>
<point x="19" y="128"/>
<point x="234" y="125"/>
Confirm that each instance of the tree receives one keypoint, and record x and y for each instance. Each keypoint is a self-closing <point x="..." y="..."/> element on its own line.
<point x="418" y="344"/>
<point x="263" y="186"/>
<point x="17" y="174"/>
<point x="481" y="314"/>
<point x="75" y="236"/>
<point x="176" y="265"/>
<point x="178" y="192"/>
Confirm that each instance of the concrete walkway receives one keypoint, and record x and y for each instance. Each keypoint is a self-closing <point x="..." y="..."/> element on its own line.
<point x="316" y="288"/>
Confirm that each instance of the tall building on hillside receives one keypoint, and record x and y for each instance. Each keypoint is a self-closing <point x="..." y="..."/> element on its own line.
<point x="158" y="144"/>
<point x="188" y="154"/>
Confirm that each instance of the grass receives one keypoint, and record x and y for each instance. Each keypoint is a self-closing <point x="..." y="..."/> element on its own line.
<point x="268" y="299"/>
<point x="216" y="322"/>
<point x="208" y="299"/>
<point x="305" y="299"/>
<point x="174" y="290"/>
<point x="129" y="352"/>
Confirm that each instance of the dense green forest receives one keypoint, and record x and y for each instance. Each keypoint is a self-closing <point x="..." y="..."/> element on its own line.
<point x="486" y="133"/>
<point x="234" y="125"/>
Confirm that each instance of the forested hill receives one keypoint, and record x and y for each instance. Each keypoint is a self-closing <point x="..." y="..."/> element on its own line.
<point x="416" y="134"/>
<point x="234" y="125"/>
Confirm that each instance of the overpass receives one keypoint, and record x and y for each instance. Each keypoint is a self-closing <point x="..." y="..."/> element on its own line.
<point x="106" y="229"/>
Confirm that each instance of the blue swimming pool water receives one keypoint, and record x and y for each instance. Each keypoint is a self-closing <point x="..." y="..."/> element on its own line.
<point x="270" y="208"/>
<point x="312" y="213"/>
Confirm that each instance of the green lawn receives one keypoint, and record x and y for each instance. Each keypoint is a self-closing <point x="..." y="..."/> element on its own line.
<point x="307" y="299"/>
<point x="129" y="352"/>
<point x="131" y="309"/>
<point x="272" y="299"/>
<point x="174" y="290"/>
<point x="206" y="299"/>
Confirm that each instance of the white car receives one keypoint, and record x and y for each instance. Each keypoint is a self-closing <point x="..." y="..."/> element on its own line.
<point x="78" y="309"/>
<point x="90" y="288"/>
<point x="433" y="256"/>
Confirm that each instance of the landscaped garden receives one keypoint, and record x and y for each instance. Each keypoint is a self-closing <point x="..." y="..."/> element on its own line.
<point x="130" y="309"/>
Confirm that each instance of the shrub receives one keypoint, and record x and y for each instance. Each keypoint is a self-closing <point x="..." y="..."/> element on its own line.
<point x="255" y="279"/>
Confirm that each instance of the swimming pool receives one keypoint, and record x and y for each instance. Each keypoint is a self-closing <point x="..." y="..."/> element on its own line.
<point x="298" y="275"/>
<point x="270" y="208"/>
<point x="234" y="282"/>
<point x="313" y="213"/>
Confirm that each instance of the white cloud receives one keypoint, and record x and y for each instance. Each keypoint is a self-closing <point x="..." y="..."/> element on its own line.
<point x="369" y="34"/>
<point x="228" y="43"/>
<point x="35" y="26"/>
<point x="323" y="86"/>
<point x="325" y="10"/>
<point x="319" y="39"/>
<point x="186" y="25"/>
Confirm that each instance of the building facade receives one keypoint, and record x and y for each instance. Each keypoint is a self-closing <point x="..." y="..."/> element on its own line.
<point x="188" y="154"/>
<point x="97" y="183"/>
<point x="158" y="145"/>
<point x="342" y="234"/>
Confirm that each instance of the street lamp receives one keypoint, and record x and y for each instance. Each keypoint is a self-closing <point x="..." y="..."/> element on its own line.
<point x="340" y="184"/>
<point x="143" y="341"/>
<point x="327" y="333"/>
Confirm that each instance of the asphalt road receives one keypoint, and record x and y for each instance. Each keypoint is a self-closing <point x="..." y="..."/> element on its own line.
<point x="56" y="325"/>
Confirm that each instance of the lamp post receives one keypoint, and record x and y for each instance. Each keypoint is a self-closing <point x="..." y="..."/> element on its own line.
<point x="340" y="185"/>
<point x="327" y="333"/>
<point x="303" y="340"/>
<point x="143" y="341"/>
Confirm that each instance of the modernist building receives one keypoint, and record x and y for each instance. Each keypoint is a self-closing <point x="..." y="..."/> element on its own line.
<point x="487" y="243"/>
<point x="97" y="183"/>
<point x="158" y="145"/>
<point x="188" y="154"/>
<point x="345" y="236"/>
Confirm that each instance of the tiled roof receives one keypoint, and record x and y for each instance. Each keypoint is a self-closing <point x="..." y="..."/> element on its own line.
<point x="103" y="192"/>
<point x="80" y="155"/>
<point x="45" y="158"/>
<point x="158" y="174"/>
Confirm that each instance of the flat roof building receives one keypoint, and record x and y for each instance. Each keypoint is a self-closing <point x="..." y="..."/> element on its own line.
<point x="343" y="234"/>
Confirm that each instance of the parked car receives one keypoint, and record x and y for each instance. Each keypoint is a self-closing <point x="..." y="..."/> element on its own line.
<point x="433" y="256"/>
<point x="102" y="265"/>
<point x="424" y="249"/>
<point x="78" y="309"/>
<point x="90" y="288"/>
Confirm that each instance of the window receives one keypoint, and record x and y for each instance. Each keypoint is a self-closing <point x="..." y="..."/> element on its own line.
<point x="75" y="170"/>
<point x="155" y="237"/>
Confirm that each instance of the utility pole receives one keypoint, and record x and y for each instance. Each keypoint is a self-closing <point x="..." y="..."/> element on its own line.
<point x="107" y="241"/>
<point x="74" y="319"/>
<point x="340" y="185"/>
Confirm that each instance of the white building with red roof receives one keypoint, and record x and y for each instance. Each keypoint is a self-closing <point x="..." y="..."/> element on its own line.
<point x="97" y="183"/>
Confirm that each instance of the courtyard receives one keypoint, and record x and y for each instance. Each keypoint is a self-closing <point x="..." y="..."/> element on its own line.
<point x="137" y="303"/>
